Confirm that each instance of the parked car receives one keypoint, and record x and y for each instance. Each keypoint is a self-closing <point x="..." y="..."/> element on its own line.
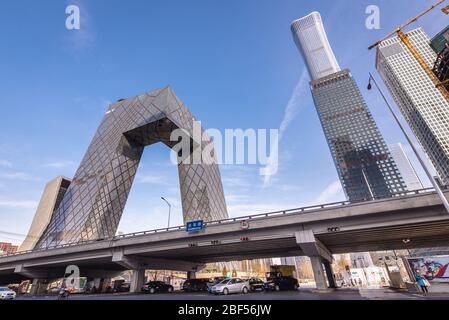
<point x="14" y="287"/>
<point x="121" y="286"/>
<point x="195" y="285"/>
<point x="214" y="282"/>
<point x="255" y="284"/>
<point x="277" y="282"/>
<point x="228" y="286"/>
<point x="7" y="294"/>
<point x="157" y="286"/>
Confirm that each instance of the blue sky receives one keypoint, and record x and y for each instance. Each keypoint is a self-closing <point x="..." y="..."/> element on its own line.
<point x="233" y="63"/>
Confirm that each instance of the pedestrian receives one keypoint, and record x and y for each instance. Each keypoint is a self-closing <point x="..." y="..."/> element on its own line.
<point x="422" y="282"/>
<point x="352" y="282"/>
<point x="427" y="283"/>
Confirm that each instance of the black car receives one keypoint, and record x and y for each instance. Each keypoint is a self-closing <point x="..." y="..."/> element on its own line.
<point x="195" y="285"/>
<point x="121" y="286"/>
<point x="256" y="284"/>
<point x="281" y="283"/>
<point x="157" y="286"/>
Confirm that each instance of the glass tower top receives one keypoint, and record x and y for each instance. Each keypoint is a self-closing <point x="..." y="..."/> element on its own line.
<point x="311" y="39"/>
<point x="364" y="163"/>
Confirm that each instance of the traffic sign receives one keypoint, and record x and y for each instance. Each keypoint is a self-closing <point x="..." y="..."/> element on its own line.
<point x="193" y="226"/>
<point x="244" y="224"/>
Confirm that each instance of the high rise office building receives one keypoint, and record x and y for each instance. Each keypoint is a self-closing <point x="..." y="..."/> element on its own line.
<point x="405" y="167"/>
<point x="364" y="164"/>
<point x="311" y="39"/>
<point x="422" y="104"/>
<point x="50" y="200"/>
<point x="94" y="202"/>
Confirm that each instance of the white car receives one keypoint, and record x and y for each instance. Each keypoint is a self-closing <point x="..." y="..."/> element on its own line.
<point x="7" y="294"/>
<point x="228" y="286"/>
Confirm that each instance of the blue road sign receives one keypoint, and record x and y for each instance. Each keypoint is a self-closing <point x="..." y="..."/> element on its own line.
<point x="193" y="226"/>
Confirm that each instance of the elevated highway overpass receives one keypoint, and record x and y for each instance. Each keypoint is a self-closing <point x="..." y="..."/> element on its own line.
<point x="317" y="232"/>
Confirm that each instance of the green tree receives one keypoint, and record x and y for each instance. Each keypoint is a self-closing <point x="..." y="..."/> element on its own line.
<point x="225" y="271"/>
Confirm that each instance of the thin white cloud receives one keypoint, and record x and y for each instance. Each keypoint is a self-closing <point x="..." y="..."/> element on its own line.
<point x="153" y="179"/>
<point x="290" y="112"/>
<point x="18" y="204"/>
<point x="292" y="108"/>
<point x="7" y="149"/>
<point x="59" y="164"/>
<point x="5" y="163"/>
<point x="242" y="210"/>
<point x="239" y="206"/>
<point x="331" y="192"/>
<point x="236" y="198"/>
<point x="233" y="181"/>
<point x="289" y="188"/>
<point x="16" y="175"/>
<point x="238" y="177"/>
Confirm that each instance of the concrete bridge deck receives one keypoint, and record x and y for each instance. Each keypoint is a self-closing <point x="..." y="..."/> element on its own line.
<point x="314" y="231"/>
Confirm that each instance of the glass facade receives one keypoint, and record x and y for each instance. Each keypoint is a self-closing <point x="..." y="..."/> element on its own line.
<point x="94" y="202"/>
<point x="363" y="161"/>
<point x="423" y="106"/>
<point x="64" y="186"/>
<point x="405" y="167"/>
<point x="439" y="42"/>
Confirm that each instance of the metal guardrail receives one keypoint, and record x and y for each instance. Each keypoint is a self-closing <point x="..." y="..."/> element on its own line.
<point x="301" y="210"/>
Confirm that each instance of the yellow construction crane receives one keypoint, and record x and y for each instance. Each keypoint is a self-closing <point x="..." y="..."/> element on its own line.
<point x="406" y="41"/>
<point x="445" y="10"/>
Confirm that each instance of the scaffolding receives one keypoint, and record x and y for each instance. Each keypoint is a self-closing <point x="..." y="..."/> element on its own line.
<point x="441" y="67"/>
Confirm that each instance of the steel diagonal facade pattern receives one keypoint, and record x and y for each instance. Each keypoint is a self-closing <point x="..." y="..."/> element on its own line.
<point x="93" y="205"/>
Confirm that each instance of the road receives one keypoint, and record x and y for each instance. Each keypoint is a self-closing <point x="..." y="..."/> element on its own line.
<point x="302" y="294"/>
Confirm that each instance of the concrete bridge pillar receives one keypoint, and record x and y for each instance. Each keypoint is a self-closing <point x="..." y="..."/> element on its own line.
<point x="318" y="273"/>
<point x="330" y="274"/>
<point x="135" y="265"/>
<point x="319" y="255"/>
<point x="137" y="280"/>
<point x="38" y="287"/>
<point x="97" y="285"/>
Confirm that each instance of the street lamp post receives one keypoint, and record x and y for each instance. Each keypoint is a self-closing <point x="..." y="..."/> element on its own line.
<point x="421" y="160"/>
<point x="169" y="214"/>
<point x="169" y="210"/>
